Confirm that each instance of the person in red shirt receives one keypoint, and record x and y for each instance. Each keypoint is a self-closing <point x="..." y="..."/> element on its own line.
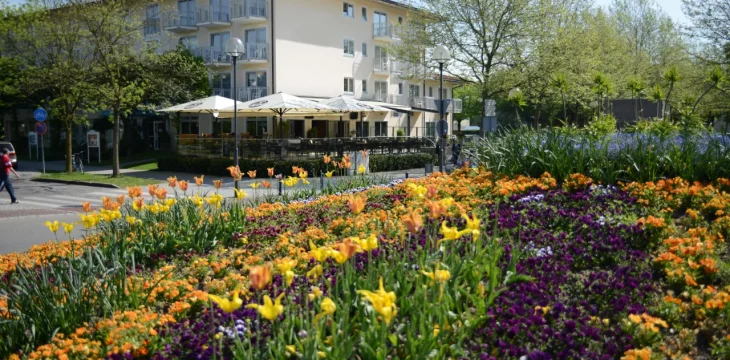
<point x="6" y="166"/>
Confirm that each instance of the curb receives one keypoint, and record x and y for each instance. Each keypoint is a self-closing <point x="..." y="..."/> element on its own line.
<point x="70" y="182"/>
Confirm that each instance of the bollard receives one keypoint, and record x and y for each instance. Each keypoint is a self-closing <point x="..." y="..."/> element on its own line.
<point x="406" y="175"/>
<point x="281" y="187"/>
<point x="321" y="181"/>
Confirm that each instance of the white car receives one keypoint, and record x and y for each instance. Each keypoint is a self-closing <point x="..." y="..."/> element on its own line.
<point x="13" y="157"/>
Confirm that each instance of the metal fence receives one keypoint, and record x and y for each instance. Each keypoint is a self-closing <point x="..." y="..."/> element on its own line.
<point x="298" y="148"/>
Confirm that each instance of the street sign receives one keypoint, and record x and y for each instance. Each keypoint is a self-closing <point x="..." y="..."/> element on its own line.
<point x="40" y="114"/>
<point x="490" y="108"/>
<point x="92" y="141"/>
<point x="442" y="127"/>
<point x="41" y="128"/>
<point x="32" y="138"/>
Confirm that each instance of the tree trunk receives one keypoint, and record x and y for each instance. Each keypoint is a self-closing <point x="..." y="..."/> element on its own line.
<point x="69" y="146"/>
<point x="115" y="144"/>
<point x="565" y="109"/>
<point x="700" y="99"/>
<point x="633" y="104"/>
<point x="664" y="103"/>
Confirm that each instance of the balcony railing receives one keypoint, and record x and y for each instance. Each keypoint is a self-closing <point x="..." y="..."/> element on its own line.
<point x="382" y="65"/>
<point x="181" y="20"/>
<point x="257" y="51"/>
<point x="250" y="9"/>
<point x="252" y="93"/>
<point x="225" y="92"/>
<point x="213" y="55"/>
<point x="214" y="14"/>
<point x="381" y="30"/>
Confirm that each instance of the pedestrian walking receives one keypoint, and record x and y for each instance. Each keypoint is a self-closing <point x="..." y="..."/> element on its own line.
<point x="6" y="167"/>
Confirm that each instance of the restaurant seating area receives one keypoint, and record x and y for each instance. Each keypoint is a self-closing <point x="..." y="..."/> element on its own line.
<point x="301" y="148"/>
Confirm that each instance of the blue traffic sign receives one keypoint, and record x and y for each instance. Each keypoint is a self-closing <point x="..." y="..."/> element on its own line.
<point x="40" y="114"/>
<point x="41" y="128"/>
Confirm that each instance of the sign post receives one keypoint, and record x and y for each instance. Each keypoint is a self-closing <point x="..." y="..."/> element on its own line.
<point x="40" y="115"/>
<point x="92" y="141"/>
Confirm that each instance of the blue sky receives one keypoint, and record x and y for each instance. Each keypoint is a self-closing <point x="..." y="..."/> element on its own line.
<point x="672" y="7"/>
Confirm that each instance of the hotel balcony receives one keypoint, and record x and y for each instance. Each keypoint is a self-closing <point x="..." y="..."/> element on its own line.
<point x="250" y="11"/>
<point x="181" y="21"/>
<point x="252" y="93"/>
<point x="382" y="66"/>
<point x="225" y="92"/>
<point x="431" y="104"/>
<point x="214" y="16"/>
<point x="256" y="53"/>
<point x="383" y="32"/>
<point x="212" y="56"/>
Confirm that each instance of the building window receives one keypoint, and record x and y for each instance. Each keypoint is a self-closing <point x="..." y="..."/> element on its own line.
<point x="256" y="126"/>
<point x="221" y="85"/>
<point x="381" y="128"/>
<point x="430" y="91"/>
<point x="381" y="91"/>
<point x="364" y="49"/>
<point x="218" y="47"/>
<point x="362" y="129"/>
<point x="349" y="47"/>
<point x="349" y="86"/>
<point x="446" y="93"/>
<point x="400" y="20"/>
<point x="190" y="42"/>
<point x="364" y="86"/>
<point x="431" y="129"/>
<point x="364" y="14"/>
<point x="348" y="10"/>
<point x="414" y="91"/>
<point x="189" y="125"/>
<point x="152" y="19"/>
<point x="400" y="88"/>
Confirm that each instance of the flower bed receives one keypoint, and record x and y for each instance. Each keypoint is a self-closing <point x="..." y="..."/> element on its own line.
<point x="462" y="266"/>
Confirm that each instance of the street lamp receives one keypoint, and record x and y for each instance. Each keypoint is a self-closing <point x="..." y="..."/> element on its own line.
<point x="234" y="49"/>
<point x="441" y="55"/>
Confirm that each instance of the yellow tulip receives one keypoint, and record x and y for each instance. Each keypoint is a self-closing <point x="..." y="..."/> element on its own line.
<point x="315" y="294"/>
<point x="291" y="350"/>
<point x="315" y="273"/>
<point x="285" y="264"/>
<point x="289" y="277"/>
<point x="360" y="169"/>
<point x="382" y="301"/>
<point x="269" y="310"/>
<point x="68" y="228"/>
<point x="438" y="275"/>
<point x="197" y="200"/>
<point x="89" y="221"/>
<point x="449" y="233"/>
<point x="329" y="173"/>
<point x="240" y="194"/>
<point x="328" y="308"/>
<point x="132" y="220"/>
<point x="418" y="191"/>
<point x="226" y="305"/>
<point x="368" y="244"/>
<point x="319" y="254"/>
<point x="472" y="225"/>
<point x="53" y="226"/>
<point x="340" y="257"/>
<point x="255" y="185"/>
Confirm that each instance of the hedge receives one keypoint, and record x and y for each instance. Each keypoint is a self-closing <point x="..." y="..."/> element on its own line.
<point x="217" y="166"/>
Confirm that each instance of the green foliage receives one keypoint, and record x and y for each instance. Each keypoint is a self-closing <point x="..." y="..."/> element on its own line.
<point x="602" y="126"/>
<point x="662" y="128"/>
<point x="217" y="166"/>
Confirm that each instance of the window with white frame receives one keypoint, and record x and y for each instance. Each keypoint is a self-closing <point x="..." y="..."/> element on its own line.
<point x="430" y="91"/>
<point x="349" y="85"/>
<point x="381" y="91"/>
<point x="348" y="10"/>
<point x="364" y="49"/>
<point x="349" y="47"/>
<point x="381" y="128"/>
<point x="365" y="14"/>
<point x="364" y="86"/>
<point x="221" y="85"/>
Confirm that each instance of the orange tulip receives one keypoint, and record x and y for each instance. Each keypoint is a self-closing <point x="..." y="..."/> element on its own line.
<point x="413" y="221"/>
<point x="235" y="172"/>
<point x="252" y="174"/>
<point x="183" y="185"/>
<point x="357" y="203"/>
<point x="217" y="183"/>
<point x="266" y="184"/>
<point x="172" y="181"/>
<point x="364" y="153"/>
<point x="327" y="159"/>
<point x="199" y="180"/>
<point x="348" y="248"/>
<point x="161" y="193"/>
<point x="270" y="171"/>
<point x="86" y="205"/>
<point x="260" y="276"/>
<point x="432" y="192"/>
<point x="120" y="199"/>
<point x="436" y="209"/>
<point x="134" y="191"/>
<point x="152" y="189"/>
<point x="296" y="169"/>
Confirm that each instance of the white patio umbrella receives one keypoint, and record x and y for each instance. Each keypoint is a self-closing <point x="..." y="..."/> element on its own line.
<point x="347" y="104"/>
<point x="210" y="105"/>
<point x="280" y="104"/>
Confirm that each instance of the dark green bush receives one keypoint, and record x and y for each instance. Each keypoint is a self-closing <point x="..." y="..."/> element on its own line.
<point x="217" y="166"/>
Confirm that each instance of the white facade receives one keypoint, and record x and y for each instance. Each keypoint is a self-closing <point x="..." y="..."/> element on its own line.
<point x="315" y="49"/>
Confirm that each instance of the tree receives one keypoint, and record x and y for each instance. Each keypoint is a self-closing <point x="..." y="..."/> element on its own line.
<point x="636" y="87"/>
<point x="45" y="37"/>
<point x="601" y="87"/>
<point x="471" y="101"/>
<point x="710" y="20"/>
<point x="560" y="82"/>
<point x="657" y="94"/>
<point x="671" y="76"/>
<point x="10" y="92"/>
<point x="517" y="99"/>
<point x="715" y="79"/>
<point x="115" y="28"/>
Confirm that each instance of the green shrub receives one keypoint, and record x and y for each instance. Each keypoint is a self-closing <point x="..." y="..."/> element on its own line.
<point x="217" y="166"/>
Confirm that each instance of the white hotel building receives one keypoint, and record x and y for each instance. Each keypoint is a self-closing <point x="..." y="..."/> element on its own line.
<point x="314" y="49"/>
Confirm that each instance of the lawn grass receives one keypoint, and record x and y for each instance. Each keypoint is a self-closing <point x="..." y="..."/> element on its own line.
<point x="147" y="166"/>
<point x="121" y="181"/>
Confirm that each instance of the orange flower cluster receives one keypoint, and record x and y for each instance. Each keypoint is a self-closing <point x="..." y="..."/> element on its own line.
<point x="519" y="184"/>
<point x="577" y="181"/>
<point x="647" y="322"/>
<point x="637" y="354"/>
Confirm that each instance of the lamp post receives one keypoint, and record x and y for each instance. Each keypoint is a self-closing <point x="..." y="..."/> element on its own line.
<point x="442" y="55"/>
<point x="234" y="49"/>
